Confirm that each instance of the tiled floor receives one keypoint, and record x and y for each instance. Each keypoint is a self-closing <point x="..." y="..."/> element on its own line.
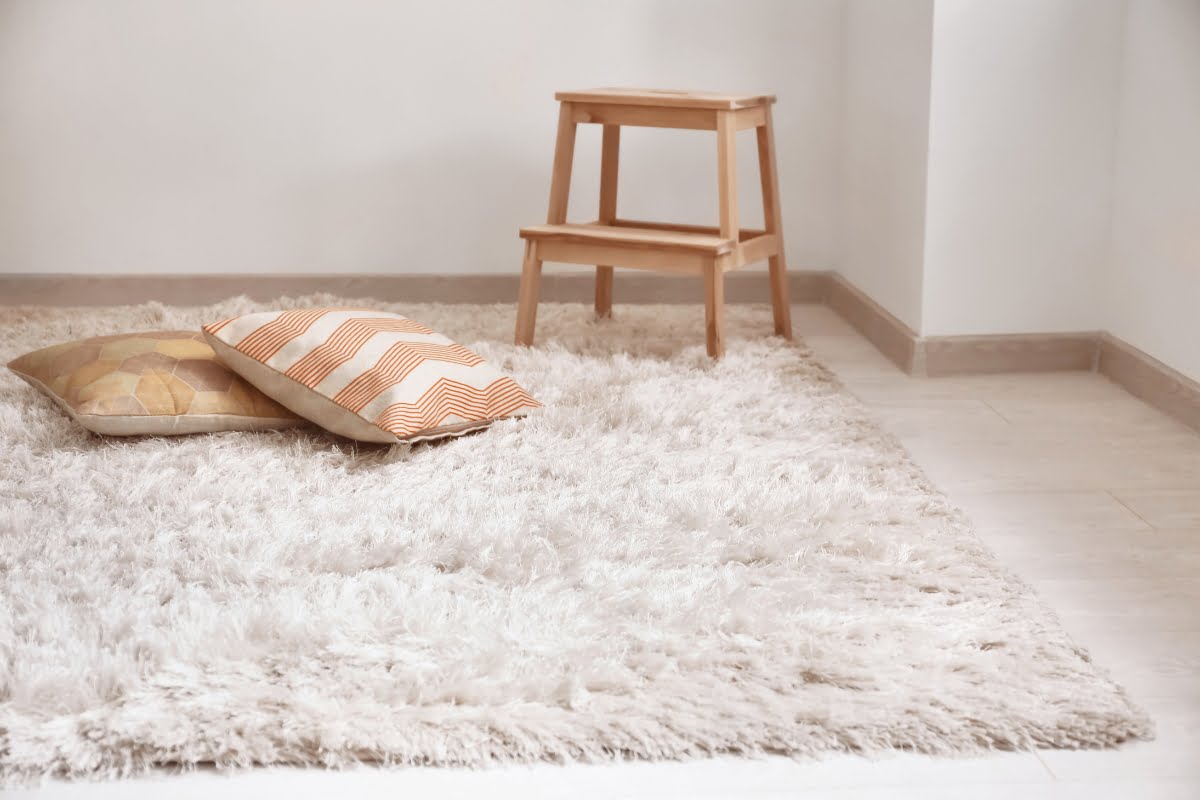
<point x="1090" y="494"/>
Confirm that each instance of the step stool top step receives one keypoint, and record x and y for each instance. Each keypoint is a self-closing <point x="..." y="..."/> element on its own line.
<point x="625" y="236"/>
<point x="666" y="98"/>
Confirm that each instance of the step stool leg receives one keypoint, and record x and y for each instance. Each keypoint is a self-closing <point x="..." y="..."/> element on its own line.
<point x="560" y="190"/>
<point x="727" y="174"/>
<point x="527" y="301"/>
<point x="604" y="291"/>
<point x="714" y="309"/>
<point x="610" y="156"/>
<point x="769" y="174"/>
<point x="564" y="157"/>
<point x="714" y="271"/>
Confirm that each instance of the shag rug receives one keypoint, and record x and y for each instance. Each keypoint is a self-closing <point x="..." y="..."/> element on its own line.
<point x="673" y="558"/>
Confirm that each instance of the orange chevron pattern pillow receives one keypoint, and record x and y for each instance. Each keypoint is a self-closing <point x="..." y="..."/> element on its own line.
<point x="368" y="375"/>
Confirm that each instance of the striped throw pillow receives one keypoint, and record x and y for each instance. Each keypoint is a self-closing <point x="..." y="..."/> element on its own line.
<point x="368" y="375"/>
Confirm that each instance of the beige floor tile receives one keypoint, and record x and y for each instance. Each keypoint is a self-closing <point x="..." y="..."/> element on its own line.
<point x="1102" y="422"/>
<point x="718" y="777"/>
<point x="1175" y="754"/>
<point x="913" y="418"/>
<point x="1160" y="670"/>
<point x="809" y="321"/>
<point x="1072" y="386"/>
<point x="1052" y="389"/>
<point x="1088" y="790"/>
<point x="1048" y="511"/>
<point x="1164" y="508"/>
<point x="1109" y="409"/>
<point x="851" y="356"/>
<point x="1050" y="464"/>
<point x="1072" y="552"/>
<point x="876" y="384"/>
<point x="1160" y="604"/>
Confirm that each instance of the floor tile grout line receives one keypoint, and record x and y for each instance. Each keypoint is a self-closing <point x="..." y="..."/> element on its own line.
<point x="994" y="410"/>
<point x="1045" y="766"/>
<point x="1130" y="509"/>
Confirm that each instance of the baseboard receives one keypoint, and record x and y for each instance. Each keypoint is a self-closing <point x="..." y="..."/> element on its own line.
<point x="1018" y="352"/>
<point x="879" y="326"/>
<point x="1137" y="372"/>
<point x="1149" y="379"/>
<point x="751" y="286"/>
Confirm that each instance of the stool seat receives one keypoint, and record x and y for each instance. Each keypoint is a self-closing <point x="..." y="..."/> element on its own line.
<point x="666" y="98"/>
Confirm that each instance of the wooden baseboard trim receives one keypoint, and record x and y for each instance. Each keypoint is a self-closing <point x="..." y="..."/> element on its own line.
<point x="880" y="327"/>
<point x="1017" y="352"/>
<point x="1149" y="379"/>
<point x="1137" y="372"/>
<point x="932" y="356"/>
<point x="751" y="286"/>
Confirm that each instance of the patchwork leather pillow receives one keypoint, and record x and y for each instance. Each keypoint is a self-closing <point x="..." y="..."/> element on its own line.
<point x="367" y="375"/>
<point x="155" y="383"/>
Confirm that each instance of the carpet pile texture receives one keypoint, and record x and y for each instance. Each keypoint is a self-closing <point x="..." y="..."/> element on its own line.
<point x="672" y="558"/>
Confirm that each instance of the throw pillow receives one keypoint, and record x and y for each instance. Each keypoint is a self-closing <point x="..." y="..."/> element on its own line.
<point x="154" y="383"/>
<point x="367" y="375"/>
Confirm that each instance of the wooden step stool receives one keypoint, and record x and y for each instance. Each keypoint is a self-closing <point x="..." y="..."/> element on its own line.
<point x="611" y="241"/>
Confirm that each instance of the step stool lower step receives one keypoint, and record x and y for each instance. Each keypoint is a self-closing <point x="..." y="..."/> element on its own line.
<point x="649" y="245"/>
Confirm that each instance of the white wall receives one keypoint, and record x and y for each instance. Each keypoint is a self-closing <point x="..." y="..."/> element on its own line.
<point x="1153" y="280"/>
<point x="1021" y="137"/>
<point x="376" y="135"/>
<point x="976" y="166"/>
<point x="884" y="134"/>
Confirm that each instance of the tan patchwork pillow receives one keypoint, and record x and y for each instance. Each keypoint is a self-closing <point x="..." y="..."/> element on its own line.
<point x="156" y="383"/>
<point x="368" y="375"/>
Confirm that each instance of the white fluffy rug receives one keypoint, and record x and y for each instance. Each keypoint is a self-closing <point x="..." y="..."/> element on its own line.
<point x="672" y="558"/>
